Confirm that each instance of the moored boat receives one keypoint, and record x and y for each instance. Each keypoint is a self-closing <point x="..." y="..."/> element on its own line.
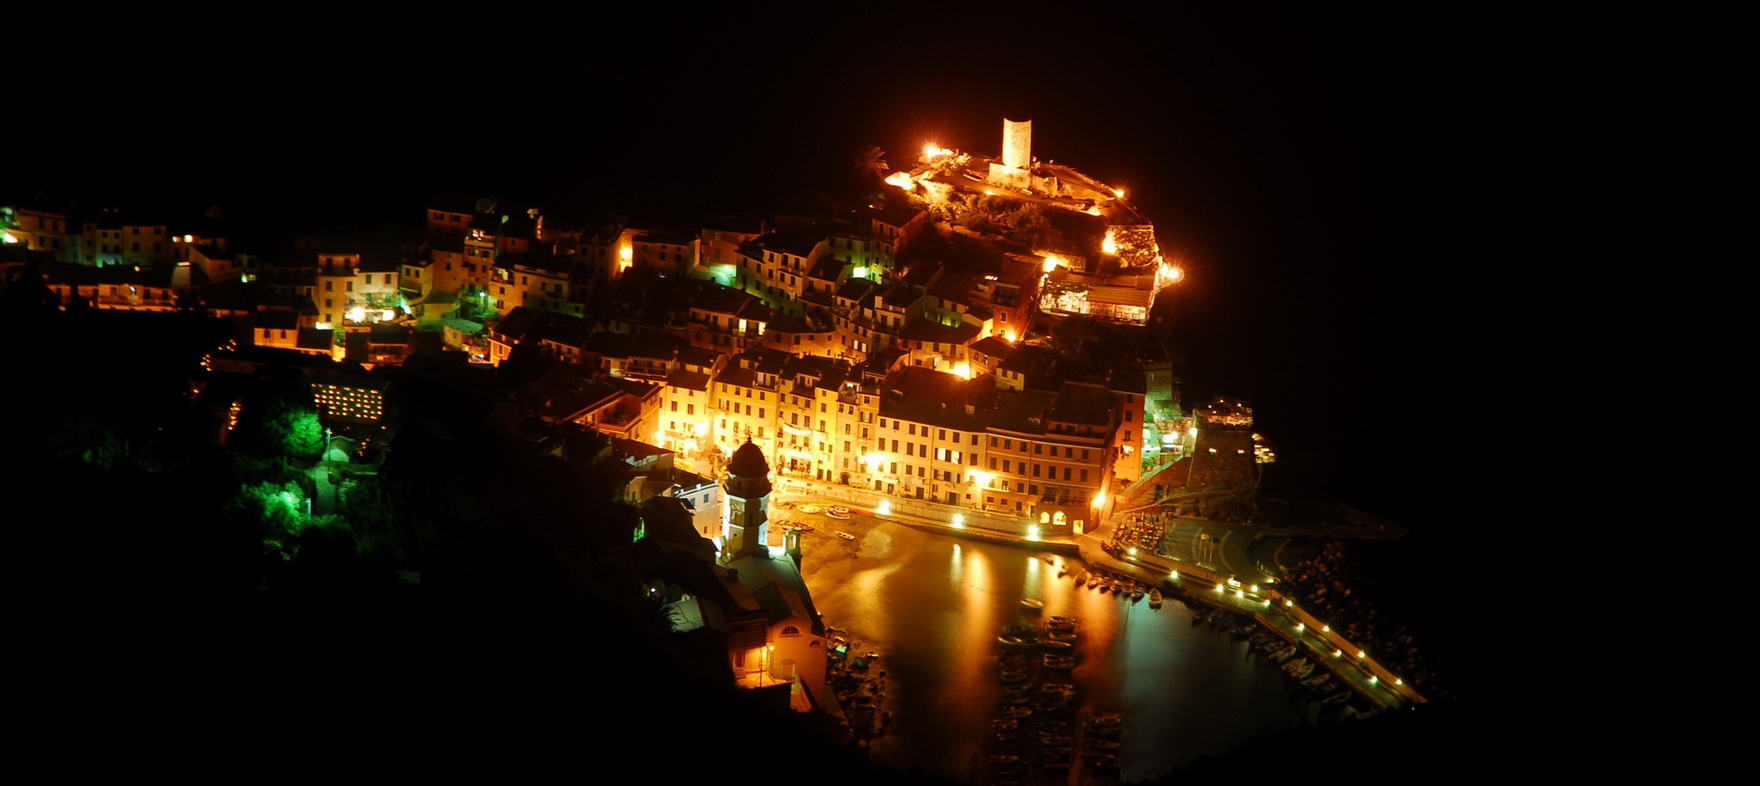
<point x="1105" y="726"/>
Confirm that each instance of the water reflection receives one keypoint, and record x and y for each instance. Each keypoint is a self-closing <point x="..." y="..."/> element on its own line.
<point x="934" y="606"/>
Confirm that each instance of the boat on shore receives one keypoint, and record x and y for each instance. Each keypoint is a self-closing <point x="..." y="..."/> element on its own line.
<point x="1300" y="669"/>
<point x="1154" y="598"/>
<point x="1033" y="605"/>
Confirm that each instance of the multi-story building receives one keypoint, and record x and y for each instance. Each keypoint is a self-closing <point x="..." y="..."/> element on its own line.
<point x="774" y="267"/>
<point x="671" y="253"/>
<point x="533" y="279"/>
<point x="718" y="247"/>
<point x="686" y="418"/>
<point x="40" y="229"/>
<point x="929" y="433"/>
<point x="345" y="398"/>
<point x="117" y="287"/>
<point x="746" y="400"/>
<point x="1051" y="454"/>
<point x="558" y="336"/>
<point x="213" y="260"/>
<point x="727" y="320"/>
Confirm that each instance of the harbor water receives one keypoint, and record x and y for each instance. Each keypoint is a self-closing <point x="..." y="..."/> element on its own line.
<point x="933" y="606"/>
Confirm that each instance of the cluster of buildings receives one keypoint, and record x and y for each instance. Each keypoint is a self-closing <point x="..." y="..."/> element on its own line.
<point x="895" y="351"/>
<point x="885" y="348"/>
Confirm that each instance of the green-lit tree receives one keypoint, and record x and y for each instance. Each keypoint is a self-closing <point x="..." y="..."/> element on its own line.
<point x="278" y="418"/>
<point x="281" y="507"/>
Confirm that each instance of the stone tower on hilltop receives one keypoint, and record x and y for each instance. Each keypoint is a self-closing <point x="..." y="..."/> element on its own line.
<point x="1014" y="168"/>
<point x="1017" y="143"/>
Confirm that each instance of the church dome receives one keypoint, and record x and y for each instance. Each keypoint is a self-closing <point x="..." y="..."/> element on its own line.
<point x="748" y="462"/>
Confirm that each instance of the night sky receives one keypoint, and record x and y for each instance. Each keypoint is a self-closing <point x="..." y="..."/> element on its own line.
<point x="1319" y="173"/>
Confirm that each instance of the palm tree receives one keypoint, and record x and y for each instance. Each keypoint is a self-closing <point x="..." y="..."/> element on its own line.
<point x="872" y="159"/>
<point x="871" y="163"/>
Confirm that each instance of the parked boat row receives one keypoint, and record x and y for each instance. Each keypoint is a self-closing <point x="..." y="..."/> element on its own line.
<point x="834" y="511"/>
<point x="1123" y="586"/>
<point x="1301" y="665"/>
<point x="1037" y="728"/>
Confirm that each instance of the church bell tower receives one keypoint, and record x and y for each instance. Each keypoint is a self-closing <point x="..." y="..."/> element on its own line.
<point x="746" y="529"/>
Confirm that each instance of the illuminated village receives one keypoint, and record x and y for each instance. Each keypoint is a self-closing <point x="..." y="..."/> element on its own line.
<point x="977" y="347"/>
